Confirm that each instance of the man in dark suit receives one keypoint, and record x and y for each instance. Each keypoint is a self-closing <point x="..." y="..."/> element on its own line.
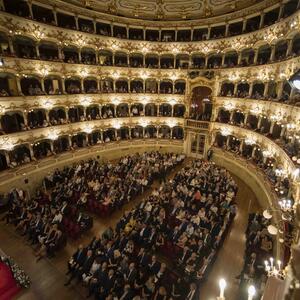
<point x="76" y="259"/>
<point x="154" y="265"/>
<point x="130" y="275"/>
<point x="143" y="258"/>
<point x="192" y="294"/>
<point x="84" y="267"/>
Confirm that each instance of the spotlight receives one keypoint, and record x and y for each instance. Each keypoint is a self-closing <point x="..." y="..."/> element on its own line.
<point x="295" y="80"/>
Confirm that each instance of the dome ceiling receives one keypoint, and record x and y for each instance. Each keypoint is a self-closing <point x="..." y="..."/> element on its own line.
<point x="165" y="9"/>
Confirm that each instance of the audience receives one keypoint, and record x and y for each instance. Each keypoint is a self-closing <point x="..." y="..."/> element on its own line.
<point x="185" y="220"/>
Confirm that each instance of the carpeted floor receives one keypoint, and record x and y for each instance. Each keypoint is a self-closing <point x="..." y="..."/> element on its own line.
<point x="8" y="286"/>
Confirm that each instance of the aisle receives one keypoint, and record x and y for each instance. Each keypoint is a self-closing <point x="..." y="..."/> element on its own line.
<point x="230" y="258"/>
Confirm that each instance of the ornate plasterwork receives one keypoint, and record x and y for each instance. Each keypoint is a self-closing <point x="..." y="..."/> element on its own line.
<point x="275" y="71"/>
<point x="264" y="143"/>
<point x="63" y="37"/>
<point x="48" y="102"/>
<point x="74" y="128"/>
<point x="163" y="12"/>
<point x="285" y="114"/>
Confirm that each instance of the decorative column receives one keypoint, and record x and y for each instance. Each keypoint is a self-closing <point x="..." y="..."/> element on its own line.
<point x="67" y="113"/>
<point x="19" y="88"/>
<point x="255" y="56"/>
<point x="279" y="89"/>
<point x="157" y="110"/>
<point x="240" y="55"/>
<point x="79" y="55"/>
<point x="272" y="127"/>
<point x="101" y="135"/>
<point x="231" y="116"/>
<point x="223" y="60"/>
<point x="273" y="49"/>
<point x="60" y="56"/>
<point x="10" y="45"/>
<point x="37" y="50"/>
<point x="262" y="19"/>
<point x="246" y="117"/>
<point x="266" y="90"/>
<point x="144" y="34"/>
<point x="76" y="23"/>
<point x="43" y="84"/>
<point x="115" y="111"/>
<point x="250" y="89"/>
<point x="55" y="17"/>
<point x="192" y="34"/>
<point x="51" y="145"/>
<point x="30" y="9"/>
<point x="208" y="32"/>
<point x="95" y="26"/>
<point x="259" y="121"/>
<point x="172" y="111"/>
<point x="242" y="145"/>
<point x="98" y="85"/>
<point x="30" y="147"/>
<point x="113" y="58"/>
<point x="227" y="29"/>
<point x="63" y="85"/>
<point x="280" y="11"/>
<point x="289" y="47"/>
<point x="7" y="158"/>
<point x="176" y="35"/>
<point x="282" y="131"/>
<point x="244" y="25"/>
<point x="235" y="89"/>
<point x="47" y="115"/>
<point x="253" y="151"/>
<point x="82" y="85"/>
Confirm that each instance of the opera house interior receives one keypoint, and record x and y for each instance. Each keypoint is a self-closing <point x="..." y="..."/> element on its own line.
<point x="150" y="149"/>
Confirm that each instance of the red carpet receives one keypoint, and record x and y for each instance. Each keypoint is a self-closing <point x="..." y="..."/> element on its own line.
<point x="8" y="285"/>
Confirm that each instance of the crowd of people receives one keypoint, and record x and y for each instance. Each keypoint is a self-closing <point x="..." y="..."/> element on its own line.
<point x="259" y="248"/>
<point x="164" y="246"/>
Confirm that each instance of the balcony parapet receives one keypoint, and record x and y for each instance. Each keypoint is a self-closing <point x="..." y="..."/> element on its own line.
<point x="8" y="141"/>
<point x="12" y="24"/>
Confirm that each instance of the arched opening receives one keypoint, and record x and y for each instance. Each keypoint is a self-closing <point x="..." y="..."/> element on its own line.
<point x="121" y="59"/>
<point x="289" y="8"/>
<point x="107" y="85"/>
<point x="252" y="24"/>
<point x="61" y="144"/>
<point x="4" y="45"/>
<point x="12" y="122"/>
<point x="223" y="116"/>
<point x="120" y="32"/>
<point x="184" y="35"/>
<point x="88" y="56"/>
<point x="252" y="122"/>
<point x="66" y="21"/>
<point x="57" y="116"/>
<point x="136" y="34"/>
<point x="137" y="109"/>
<point x="109" y="135"/>
<point x="168" y="35"/>
<point x="90" y="86"/>
<point x="152" y="35"/>
<point x="48" y="51"/>
<point x="108" y="111"/>
<point x="235" y="29"/>
<point x="243" y="89"/>
<point x="73" y="86"/>
<point x="179" y="87"/>
<point x="152" y="61"/>
<point x="272" y="89"/>
<point x="258" y="90"/>
<point x="150" y="110"/>
<point x="296" y="45"/>
<point x="164" y="132"/>
<point x="165" y="110"/>
<point x="8" y="85"/>
<point x="220" y="140"/>
<point x="85" y="25"/>
<point x="281" y="50"/>
<point x="3" y="162"/>
<point x="227" y="89"/>
<point x="179" y="110"/>
<point x="238" y="117"/>
<point x="234" y="144"/>
<point x="286" y="91"/>
<point x="151" y="86"/>
<point x="271" y="17"/>
<point x="276" y="131"/>
<point x="20" y="155"/>
<point x="103" y="29"/>
<point x="79" y="140"/>
<point x="42" y="149"/>
<point x="217" y="32"/>
<point x="93" y="112"/>
<point x="95" y="137"/>
<point x="137" y="132"/>
<point x="37" y="118"/>
<point x="177" y="133"/>
<point x="167" y="61"/>
<point x="43" y="14"/>
<point x="201" y="106"/>
<point x="31" y="86"/>
<point x="123" y="110"/>
<point x="182" y="61"/>
<point x="198" y="61"/>
<point x="214" y="61"/>
<point x="150" y="132"/>
<point x="247" y="150"/>
<point x="264" y="54"/>
<point x="247" y="57"/>
<point x="123" y="133"/>
<point x="17" y="7"/>
<point x="136" y="86"/>
<point x="265" y="125"/>
<point x="200" y="34"/>
<point x="105" y="58"/>
<point x="24" y="47"/>
<point x="53" y="85"/>
<point x="166" y="87"/>
<point x="76" y="114"/>
<point x="231" y="59"/>
<point x="121" y="86"/>
<point x="70" y="55"/>
<point x="136" y="60"/>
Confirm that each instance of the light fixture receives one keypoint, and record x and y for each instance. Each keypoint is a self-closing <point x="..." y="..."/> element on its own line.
<point x="251" y="292"/>
<point x="222" y="285"/>
<point x="274" y="269"/>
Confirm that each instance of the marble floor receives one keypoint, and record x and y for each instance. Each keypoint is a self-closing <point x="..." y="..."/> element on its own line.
<point x="48" y="275"/>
